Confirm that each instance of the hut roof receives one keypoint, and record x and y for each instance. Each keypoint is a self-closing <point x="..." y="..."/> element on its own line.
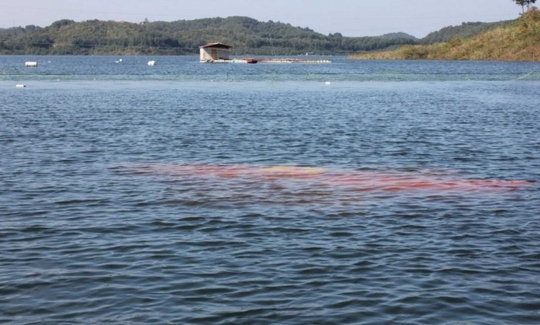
<point x="216" y="45"/>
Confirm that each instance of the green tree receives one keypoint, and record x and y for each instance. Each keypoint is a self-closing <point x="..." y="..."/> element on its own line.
<point x="524" y="3"/>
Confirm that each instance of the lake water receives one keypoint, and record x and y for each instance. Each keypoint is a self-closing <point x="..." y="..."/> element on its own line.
<point x="356" y="192"/>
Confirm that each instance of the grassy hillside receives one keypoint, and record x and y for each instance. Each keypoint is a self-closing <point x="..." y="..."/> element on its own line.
<point x="517" y="41"/>
<point x="465" y="30"/>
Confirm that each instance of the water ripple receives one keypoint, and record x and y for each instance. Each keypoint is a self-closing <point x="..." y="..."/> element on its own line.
<point x="401" y="192"/>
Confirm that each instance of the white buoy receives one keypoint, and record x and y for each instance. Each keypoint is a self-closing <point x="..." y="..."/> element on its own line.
<point x="20" y="86"/>
<point x="152" y="63"/>
<point x="30" y="64"/>
<point x="328" y="83"/>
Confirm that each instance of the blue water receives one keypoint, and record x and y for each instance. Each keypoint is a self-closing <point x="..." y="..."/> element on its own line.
<point x="98" y="225"/>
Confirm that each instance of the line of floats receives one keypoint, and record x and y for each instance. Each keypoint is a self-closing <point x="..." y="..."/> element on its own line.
<point x="34" y="64"/>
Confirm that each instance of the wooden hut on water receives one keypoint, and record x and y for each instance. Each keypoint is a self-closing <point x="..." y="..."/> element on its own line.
<point x="215" y="52"/>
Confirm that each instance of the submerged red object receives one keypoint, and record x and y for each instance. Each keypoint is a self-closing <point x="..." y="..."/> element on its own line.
<point x="352" y="180"/>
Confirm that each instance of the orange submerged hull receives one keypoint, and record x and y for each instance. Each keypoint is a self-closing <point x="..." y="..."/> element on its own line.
<point x="353" y="180"/>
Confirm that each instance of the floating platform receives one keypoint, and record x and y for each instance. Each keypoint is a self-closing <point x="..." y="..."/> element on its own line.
<point x="270" y="60"/>
<point x="310" y="61"/>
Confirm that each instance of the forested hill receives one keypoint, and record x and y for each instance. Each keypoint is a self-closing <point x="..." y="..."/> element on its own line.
<point x="246" y="35"/>
<point x="400" y="35"/>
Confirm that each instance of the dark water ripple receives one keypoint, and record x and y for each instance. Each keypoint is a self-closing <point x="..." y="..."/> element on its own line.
<point x="98" y="224"/>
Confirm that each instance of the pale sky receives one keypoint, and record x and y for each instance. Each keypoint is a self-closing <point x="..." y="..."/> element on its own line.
<point x="349" y="17"/>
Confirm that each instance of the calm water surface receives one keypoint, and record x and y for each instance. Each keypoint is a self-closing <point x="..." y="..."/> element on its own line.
<point x="132" y="194"/>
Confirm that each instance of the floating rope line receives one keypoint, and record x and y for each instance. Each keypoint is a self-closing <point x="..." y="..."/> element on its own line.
<point x="525" y="75"/>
